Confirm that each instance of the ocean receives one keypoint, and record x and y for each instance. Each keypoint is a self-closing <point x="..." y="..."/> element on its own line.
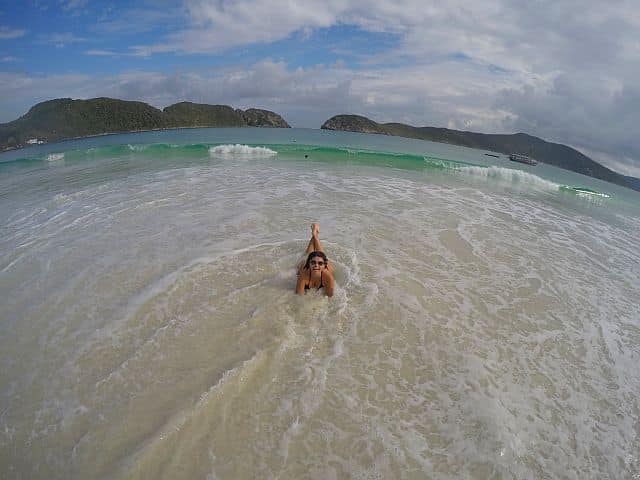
<point x="486" y="321"/>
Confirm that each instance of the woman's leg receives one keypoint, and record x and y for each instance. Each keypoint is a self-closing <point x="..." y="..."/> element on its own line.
<point x="315" y="238"/>
<point x="314" y="245"/>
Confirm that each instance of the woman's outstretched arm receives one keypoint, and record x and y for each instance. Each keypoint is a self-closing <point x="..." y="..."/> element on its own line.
<point x="300" y="283"/>
<point x="328" y="283"/>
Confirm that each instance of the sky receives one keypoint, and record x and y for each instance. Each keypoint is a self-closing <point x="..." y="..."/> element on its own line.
<point x="563" y="70"/>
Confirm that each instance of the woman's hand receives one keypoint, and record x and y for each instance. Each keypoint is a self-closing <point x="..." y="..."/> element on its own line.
<point x="328" y="282"/>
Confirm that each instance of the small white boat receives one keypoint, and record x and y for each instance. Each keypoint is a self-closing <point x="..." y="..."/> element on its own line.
<point x="516" y="157"/>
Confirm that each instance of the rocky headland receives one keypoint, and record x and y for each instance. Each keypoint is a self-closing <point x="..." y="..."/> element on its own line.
<point x="552" y="153"/>
<point x="64" y="118"/>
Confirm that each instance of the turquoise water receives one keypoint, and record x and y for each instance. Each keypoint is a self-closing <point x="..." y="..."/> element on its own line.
<point x="321" y="145"/>
<point x="485" y="324"/>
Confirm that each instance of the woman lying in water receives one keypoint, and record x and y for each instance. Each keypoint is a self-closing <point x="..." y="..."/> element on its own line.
<point x="317" y="272"/>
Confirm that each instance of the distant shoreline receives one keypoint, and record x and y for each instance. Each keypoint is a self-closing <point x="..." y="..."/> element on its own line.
<point x="106" y="134"/>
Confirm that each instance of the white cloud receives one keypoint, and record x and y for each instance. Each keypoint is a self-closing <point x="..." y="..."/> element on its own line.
<point x="267" y="84"/>
<point x="411" y="94"/>
<point x="219" y="25"/>
<point x="136" y="20"/>
<point x="100" y="53"/>
<point x="512" y="34"/>
<point x="618" y="163"/>
<point x="20" y="91"/>
<point x="73" y="4"/>
<point x="7" y="33"/>
<point x="61" y="39"/>
<point x="576" y="111"/>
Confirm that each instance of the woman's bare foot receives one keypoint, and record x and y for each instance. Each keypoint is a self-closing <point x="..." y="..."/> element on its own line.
<point x="315" y="229"/>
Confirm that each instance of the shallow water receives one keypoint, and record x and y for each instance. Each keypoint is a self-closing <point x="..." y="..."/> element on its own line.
<point x="486" y="322"/>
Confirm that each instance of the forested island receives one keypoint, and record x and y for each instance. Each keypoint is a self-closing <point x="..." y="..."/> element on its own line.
<point x="64" y="118"/>
<point x="552" y="153"/>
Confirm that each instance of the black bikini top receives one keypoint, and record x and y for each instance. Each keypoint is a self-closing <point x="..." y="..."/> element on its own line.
<point x="307" y="287"/>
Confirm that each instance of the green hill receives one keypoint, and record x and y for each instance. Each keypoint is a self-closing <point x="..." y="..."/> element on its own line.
<point x="65" y="118"/>
<point x="552" y="153"/>
<point x="186" y="114"/>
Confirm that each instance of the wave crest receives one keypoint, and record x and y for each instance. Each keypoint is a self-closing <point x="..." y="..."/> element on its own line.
<point x="137" y="148"/>
<point x="55" y="157"/>
<point x="241" y="150"/>
<point x="511" y="175"/>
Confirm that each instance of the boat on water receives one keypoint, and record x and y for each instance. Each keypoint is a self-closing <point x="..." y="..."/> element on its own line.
<point x="516" y="157"/>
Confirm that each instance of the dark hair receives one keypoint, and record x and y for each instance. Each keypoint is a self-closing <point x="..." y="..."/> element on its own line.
<point x="316" y="254"/>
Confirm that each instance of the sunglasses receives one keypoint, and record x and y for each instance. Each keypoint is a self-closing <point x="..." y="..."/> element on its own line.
<point x="313" y="262"/>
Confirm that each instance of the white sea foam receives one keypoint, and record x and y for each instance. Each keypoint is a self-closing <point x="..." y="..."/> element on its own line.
<point x="137" y="148"/>
<point x="587" y="193"/>
<point x="241" y="151"/>
<point x="511" y="175"/>
<point x="55" y="157"/>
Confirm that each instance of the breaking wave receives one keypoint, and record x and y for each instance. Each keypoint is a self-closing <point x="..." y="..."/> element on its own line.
<point x="241" y="150"/>
<point x="55" y="157"/>
<point x="512" y="176"/>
